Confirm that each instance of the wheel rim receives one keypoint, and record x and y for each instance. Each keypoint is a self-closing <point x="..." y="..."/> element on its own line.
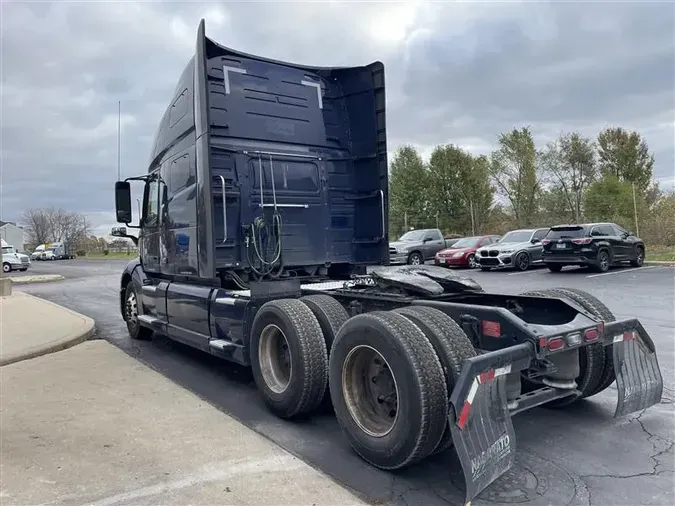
<point x="640" y="257"/>
<point x="522" y="262"/>
<point x="274" y="357"/>
<point x="132" y="309"/>
<point x="5" y="268"/>
<point x="604" y="261"/>
<point x="472" y="261"/>
<point x="370" y="391"/>
<point x="415" y="260"/>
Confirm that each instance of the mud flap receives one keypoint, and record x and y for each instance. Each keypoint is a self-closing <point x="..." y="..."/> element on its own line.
<point x="480" y="422"/>
<point x="638" y="377"/>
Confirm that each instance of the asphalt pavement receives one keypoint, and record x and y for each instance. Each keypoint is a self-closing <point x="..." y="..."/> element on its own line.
<point x="576" y="456"/>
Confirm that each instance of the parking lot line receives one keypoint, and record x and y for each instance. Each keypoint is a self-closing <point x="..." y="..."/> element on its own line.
<point x="524" y="272"/>
<point x="622" y="271"/>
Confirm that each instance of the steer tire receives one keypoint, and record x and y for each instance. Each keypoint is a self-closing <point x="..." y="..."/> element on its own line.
<point x="408" y="431"/>
<point x="591" y="358"/>
<point x="299" y="388"/>
<point x="451" y="345"/>
<point x="132" y="301"/>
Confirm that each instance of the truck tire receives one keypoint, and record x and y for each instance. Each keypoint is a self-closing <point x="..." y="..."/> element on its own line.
<point x="289" y="360"/>
<point x="131" y="301"/>
<point x="388" y="389"/>
<point x="596" y="308"/>
<point x="6" y="267"/>
<point x="330" y="314"/>
<point x="451" y="345"/>
<point x="415" y="258"/>
<point x="591" y="358"/>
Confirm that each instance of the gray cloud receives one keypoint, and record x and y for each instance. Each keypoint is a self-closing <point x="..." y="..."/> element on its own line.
<point x="456" y="72"/>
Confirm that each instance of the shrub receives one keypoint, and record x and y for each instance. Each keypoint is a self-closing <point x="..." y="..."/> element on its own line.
<point x="105" y="251"/>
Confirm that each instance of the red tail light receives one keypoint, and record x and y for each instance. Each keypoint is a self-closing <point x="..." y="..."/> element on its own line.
<point x="584" y="240"/>
<point x="556" y="343"/>
<point x="591" y="335"/>
<point x="545" y="241"/>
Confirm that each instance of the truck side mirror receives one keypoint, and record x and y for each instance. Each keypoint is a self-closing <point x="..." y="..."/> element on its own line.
<point x="119" y="231"/>
<point x="123" y="201"/>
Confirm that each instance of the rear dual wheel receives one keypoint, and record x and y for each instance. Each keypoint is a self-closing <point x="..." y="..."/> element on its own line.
<point x="390" y="375"/>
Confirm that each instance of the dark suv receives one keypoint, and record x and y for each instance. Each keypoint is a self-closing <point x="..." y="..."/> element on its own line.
<point x="595" y="245"/>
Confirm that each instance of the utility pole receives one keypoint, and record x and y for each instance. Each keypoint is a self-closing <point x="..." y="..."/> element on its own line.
<point x="437" y="226"/>
<point x="119" y="138"/>
<point x="637" y="229"/>
<point x="473" y="223"/>
<point x="405" y="220"/>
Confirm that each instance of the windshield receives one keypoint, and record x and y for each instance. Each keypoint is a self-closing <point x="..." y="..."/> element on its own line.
<point x="413" y="235"/>
<point x="467" y="242"/>
<point x="517" y="236"/>
<point x="8" y="249"/>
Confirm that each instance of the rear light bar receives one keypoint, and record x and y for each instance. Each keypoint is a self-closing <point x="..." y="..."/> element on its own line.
<point x="584" y="240"/>
<point x="572" y="339"/>
<point x="545" y="241"/>
<point x="556" y="343"/>
<point x="591" y="335"/>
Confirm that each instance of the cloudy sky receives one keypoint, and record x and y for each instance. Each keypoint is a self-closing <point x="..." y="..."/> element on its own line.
<point x="456" y="72"/>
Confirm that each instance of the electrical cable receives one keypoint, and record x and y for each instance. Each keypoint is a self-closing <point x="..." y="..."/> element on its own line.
<point x="262" y="234"/>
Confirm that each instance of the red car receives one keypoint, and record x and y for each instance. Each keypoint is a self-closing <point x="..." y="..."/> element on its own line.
<point x="463" y="252"/>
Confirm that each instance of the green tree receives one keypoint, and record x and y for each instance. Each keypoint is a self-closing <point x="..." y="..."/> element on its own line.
<point x="408" y="201"/>
<point x="569" y="163"/>
<point x="459" y="189"/>
<point x="477" y="194"/>
<point x="625" y="155"/>
<point x="610" y="199"/>
<point x="514" y="174"/>
<point x="446" y="163"/>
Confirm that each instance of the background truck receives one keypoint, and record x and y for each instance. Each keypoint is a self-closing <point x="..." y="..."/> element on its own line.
<point x="417" y="246"/>
<point x="62" y="250"/>
<point x="263" y="241"/>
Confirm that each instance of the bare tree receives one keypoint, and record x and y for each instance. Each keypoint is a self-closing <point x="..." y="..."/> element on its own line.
<point x="38" y="225"/>
<point x="47" y="225"/>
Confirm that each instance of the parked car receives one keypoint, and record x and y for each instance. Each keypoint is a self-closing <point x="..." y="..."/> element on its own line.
<point x="594" y="245"/>
<point x="518" y="249"/>
<point x="417" y="246"/>
<point x="462" y="253"/>
<point x="12" y="260"/>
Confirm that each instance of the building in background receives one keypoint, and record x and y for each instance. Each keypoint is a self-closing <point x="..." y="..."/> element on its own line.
<point x="13" y="234"/>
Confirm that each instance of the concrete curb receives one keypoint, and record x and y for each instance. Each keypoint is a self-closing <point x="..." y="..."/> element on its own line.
<point x="84" y="332"/>
<point x="659" y="262"/>
<point x="46" y="278"/>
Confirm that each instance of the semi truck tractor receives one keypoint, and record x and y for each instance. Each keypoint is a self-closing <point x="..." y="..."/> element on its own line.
<point x="263" y="240"/>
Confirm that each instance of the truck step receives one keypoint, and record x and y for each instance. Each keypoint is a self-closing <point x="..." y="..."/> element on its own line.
<point x="150" y="321"/>
<point x="221" y="344"/>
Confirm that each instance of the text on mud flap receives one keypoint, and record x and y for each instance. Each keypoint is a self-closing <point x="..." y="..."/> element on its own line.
<point x="497" y="451"/>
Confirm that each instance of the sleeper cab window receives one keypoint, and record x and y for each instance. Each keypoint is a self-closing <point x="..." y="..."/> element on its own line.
<point x="289" y="176"/>
<point x="178" y="108"/>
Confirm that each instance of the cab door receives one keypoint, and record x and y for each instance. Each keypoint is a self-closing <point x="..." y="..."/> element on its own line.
<point x="149" y="240"/>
